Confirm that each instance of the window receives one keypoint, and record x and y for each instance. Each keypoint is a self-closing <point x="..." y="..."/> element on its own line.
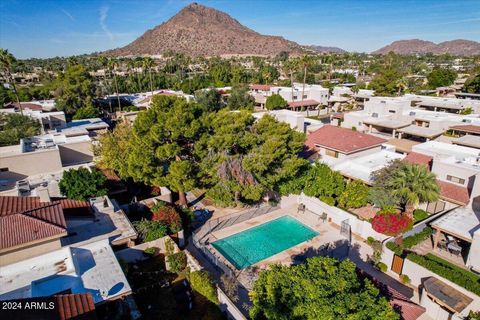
<point x="455" y="179"/>
<point x="3" y="169"/>
<point x="360" y="123"/>
<point x="295" y="97"/>
<point x="305" y="96"/>
<point x="392" y="111"/>
<point x="331" y="153"/>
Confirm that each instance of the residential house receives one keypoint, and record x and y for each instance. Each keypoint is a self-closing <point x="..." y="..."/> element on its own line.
<point x="333" y="144"/>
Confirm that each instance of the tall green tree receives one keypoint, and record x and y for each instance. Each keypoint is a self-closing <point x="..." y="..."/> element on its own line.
<point x="75" y="89"/>
<point x="275" y="102"/>
<point x="6" y="66"/>
<point x="385" y="82"/>
<point x="112" y="65"/>
<point x="441" y="77"/>
<point x="322" y="288"/>
<point x="14" y="127"/>
<point x="162" y="142"/>
<point x="472" y="85"/>
<point x="240" y="99"/>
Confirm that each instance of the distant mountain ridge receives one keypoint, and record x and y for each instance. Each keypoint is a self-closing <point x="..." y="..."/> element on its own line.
<point x="201" y="31"/>
<point x="457" y="47"/>
<point x="323" y="49"/>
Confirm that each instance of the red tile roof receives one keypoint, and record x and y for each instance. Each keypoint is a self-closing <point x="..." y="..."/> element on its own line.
<point x="26" y="219"/>
<point x="470" y="128"/>
<point x="418" y="158"/>
<point x="453" y="192"/>
<point x="342" y="139"/>
<point x="75" y="306"/>
<point x="264" y="87"/>
<point x="10" y="205"/>
<point x="304" y="103"/>
<point x="407" y="309"/>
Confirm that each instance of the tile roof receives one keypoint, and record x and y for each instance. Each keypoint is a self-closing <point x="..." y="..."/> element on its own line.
<point x="75" y="306"/>
<point x="26" y="219"/>
<point x="418" y="158"/>
<point x="342" y="139"/>
<point x="304" y="103"/>
<point x="400" y="301"/>
<point x="453" y="192"/>
<point x="10" y="205"/>
<point x="466" y="128"/>
<point x="264" y="87"/>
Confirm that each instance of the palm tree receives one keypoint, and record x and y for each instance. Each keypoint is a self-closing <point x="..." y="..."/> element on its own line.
<point x="103" y="61"/>
<point x="112" y="65"/>
<point x="6" y="64"/>
<point x="148" y="64"/>
<point x="401" y="85"/>
<point x="305" y="62"/>
<point x="289" y="67"/>
<point x="413" y="184"/>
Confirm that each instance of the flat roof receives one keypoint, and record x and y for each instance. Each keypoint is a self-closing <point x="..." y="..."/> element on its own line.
<point x="361" y="168"/>
<point x="386" y="123"/>
<point x="109" y="223"/>
<point x="421" y="131"/>
<point x="447" y="150"/>
<point x="90" y="268"/>
<point x="468" y="141"/>
<point x="402" y="145"/>
<point x="460" y="222"/>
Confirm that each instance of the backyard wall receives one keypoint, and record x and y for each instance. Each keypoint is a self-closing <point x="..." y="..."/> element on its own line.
<point x="359" y="227"/>
<point x="227" y="305"/>
<point x="417" y="273"/>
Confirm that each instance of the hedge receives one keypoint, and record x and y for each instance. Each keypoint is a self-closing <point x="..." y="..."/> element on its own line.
<point x="410" y="242"/>
<point x="462" y="277"/>
<point x="419" y="215"/>
<point x="177" y="261"/>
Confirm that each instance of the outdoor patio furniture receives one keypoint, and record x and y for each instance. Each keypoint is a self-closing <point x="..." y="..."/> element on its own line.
<point x="323" y="217"/>
<point x="301" y="207"/>
<point x="454" y="248"/>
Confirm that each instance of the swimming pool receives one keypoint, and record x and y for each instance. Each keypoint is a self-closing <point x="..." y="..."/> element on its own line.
<point x="248" y="247"/>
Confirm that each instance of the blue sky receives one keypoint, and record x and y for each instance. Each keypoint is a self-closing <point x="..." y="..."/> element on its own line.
<point x="46" y="28"/>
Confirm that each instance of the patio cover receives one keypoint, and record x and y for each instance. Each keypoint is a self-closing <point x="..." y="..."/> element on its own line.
<point x="423" y="132"/>
<point x="445" y="295"/>
<point x="386" y="123"/>
<point x="468" y="141"/>
<point x="460" y="222"/>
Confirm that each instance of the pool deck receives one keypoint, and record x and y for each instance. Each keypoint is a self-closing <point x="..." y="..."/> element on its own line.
<point x="329" y="234"/>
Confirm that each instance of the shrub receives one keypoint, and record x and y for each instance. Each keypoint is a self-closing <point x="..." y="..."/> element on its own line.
<point x="177" y="262"/>
<point x="391" y="224"/>
<point x="328" y="200"/>
<point x="410" y="242"/>
<point x="419" y="215"/>
<point x="462" y="277"/>
<point x="275" y="101"/>
<point x="202" y="283"/>
<point x="404" y="279"/>
<point x="473" y="315"/>
<point x="370" y="240"/>
<point x="150" y="251"/>
<point x="395" y="248"/>
<point x="355" y="195"/>
<point x="150" y="230"/>
<point x="169" y="246"/>
<point x="417" y="238"/>
<point x="82" y="184"/>
<point x="168" y="215"/>
<point x="382" y="266"/>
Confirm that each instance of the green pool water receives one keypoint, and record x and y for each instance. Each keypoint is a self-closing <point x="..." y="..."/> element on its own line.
<point x="258" y="243"/>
